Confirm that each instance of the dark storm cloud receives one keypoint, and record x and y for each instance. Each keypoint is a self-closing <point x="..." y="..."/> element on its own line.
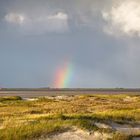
<point x="34" y="16"/>
<point x="37" y="37"/>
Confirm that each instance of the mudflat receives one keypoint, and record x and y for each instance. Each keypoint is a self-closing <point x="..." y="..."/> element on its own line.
<point x="29" y="93"/>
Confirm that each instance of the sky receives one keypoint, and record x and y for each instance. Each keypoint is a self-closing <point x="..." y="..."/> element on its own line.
<point x="70" y="43"/>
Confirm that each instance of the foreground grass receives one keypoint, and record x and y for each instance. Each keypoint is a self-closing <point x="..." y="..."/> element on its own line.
<point x="21" y="119"/>
<point x="43" y="126"/>
<point x="30" y="130"/>
<point x="118" y="136"/>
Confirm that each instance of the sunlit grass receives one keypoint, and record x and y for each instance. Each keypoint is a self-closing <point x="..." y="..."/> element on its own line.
<point x="21" y="119"/>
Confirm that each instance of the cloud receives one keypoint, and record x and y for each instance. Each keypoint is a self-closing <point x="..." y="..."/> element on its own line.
<point x="123" y="18"/>
<point x="60" y="16"/>
<point x="56" y="16"/>
<point x="118" y="17"/>
<point x="15" y="18"/>
<point x="41" y="23"/>
<point x="56" y="22"/>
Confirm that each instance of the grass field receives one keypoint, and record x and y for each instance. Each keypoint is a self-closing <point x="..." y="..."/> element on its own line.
<point x="32" y="119"/>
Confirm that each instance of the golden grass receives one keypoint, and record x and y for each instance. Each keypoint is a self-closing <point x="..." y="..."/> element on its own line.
<point x="20" y="119"/>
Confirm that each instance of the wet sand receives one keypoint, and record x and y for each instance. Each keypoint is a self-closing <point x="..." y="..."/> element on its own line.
<point x="41" y="93"/>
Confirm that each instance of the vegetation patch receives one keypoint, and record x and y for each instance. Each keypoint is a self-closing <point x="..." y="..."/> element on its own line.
<point x="22" y="119"/>
<point x="10" y="98"/>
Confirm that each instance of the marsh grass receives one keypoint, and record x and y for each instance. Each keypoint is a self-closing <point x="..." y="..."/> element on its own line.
<point x="20" y="119"/>
<point x="10" y="98"/>
<point x="30" y="130"/>
<point x="119" y="136"/>
<point x="44" y="126"/>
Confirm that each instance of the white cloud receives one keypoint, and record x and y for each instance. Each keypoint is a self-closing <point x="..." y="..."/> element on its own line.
<point x="123" y="18"/>
<point x="38" y="24"/>
<point x="15" y="18"/>
<point x="57" y="22"/>
<point x="59" y="16"/>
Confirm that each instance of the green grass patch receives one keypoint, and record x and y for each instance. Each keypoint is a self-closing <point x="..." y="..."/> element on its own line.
<point x="10" y="98"/>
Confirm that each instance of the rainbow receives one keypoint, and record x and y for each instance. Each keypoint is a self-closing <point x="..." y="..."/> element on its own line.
<point x="63" y="76"/>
